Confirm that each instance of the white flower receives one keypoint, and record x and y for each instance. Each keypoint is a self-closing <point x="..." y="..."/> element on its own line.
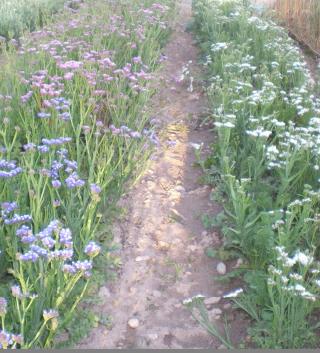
<point x="303" y="259"/>
<point x="234" y="293"/>
<point x="317" y="282"/>
<point x="296" y="276"/>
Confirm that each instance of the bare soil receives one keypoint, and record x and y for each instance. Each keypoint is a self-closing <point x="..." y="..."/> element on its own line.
<point x="162" y="236"/>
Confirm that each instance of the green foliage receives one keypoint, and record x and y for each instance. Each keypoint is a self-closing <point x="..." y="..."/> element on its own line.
<point x="17" y="16"/>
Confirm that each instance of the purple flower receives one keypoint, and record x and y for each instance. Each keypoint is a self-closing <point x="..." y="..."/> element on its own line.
<point x="137" y="60"/>
<point x="65" y="236"/>
<point x="72" y="165"/>
<point x="26" y="97"/>
<point x="3" y="306"/>
<point x="29" y="256"/>
<point x="74" y="181"/>
<point x="53" y="227"/>
<point x="28" y="240"/>
<point x="56" y="203"/>
<point x="92" y="249"/>
<point x="18" y="219"/>
<point x="95" y="189"/>
<point x="71" y="65"/>
<point x="82" y="266"/>
<point x="5" y="339"/>
<point x="66" y="116"/>
<point x="43" y="115"/>
<point x="57" y="141"/>
<point x="68" y="76"/>
<point x="29" y="146"/>
<point x="64" y="255"/>
<point x="43" y="149"/>
<point x="23" y="231"/>
<point x="69" y="269"/>
<point x="39" y="250"/>
<point x="16" y="292"/>
<point x="9" y="169"/>
<point x="48" y="241"/>
<point x="63" y="152"/>
<point x="135" y="134"/>
<point x="7" y="208"/>
<point x="56" y="184"/>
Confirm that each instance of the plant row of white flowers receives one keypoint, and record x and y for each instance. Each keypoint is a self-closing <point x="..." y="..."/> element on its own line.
<point x="267" y="156"/>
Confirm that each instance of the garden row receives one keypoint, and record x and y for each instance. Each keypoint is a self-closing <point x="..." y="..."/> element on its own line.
<point x="17" y="16"/>
<point x="73" y="130"/>
<point x="266" y="163"/>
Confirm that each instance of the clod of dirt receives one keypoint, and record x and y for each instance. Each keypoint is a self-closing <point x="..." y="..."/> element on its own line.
<point x="162" y="245"/>
<point x="211" y="301"/>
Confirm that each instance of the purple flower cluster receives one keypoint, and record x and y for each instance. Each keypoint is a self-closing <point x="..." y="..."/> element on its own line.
<point x="92" y="249"/>
<point x="25" y="234"/>
<point x="74" y="181"/>
<point x="3" y="306"/>
<point x="52" y="243"/>
<point x="16" y="219"/>
<point x="7" y="208"/>
<point x="9" y="169"/>
<point x="25" y="98"/>
<point x="125" y="131"/>
<point x="8" y="339"/>
<point x="61" y="105"/>
<point x="84" y="267"/>
<point x="73" y="65"/>
<point x="95" y="189"/>
<point x="57" y="141"/>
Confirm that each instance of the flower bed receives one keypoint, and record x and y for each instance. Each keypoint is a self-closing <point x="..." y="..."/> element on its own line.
<point x="267" y="161"/>
<point x="73" y="130"/>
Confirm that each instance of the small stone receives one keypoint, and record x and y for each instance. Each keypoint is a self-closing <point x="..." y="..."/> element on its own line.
<point x="104" y="292"/>
<point x="142" y="258"/>
<point x="196" y="146"/>
<point x="178" y="305"/>
<point x="227" y="306"/>
<point x="222" y="346"/>
<point x="162" y="245"/>
<point x="133" y="323"/>
<point x="174" y="195"/>
<point x="239" y="263"/>
<point x="156" y="294"/>
<point x="221" y="268"/>
<point x="204" y="233"/>
<point x="216" y="311"/>
<point x="180" y="188"/>
<point x="177" y="215"/>
<point x="192" y="248"/>
<point x="152" y="336"/>
<point x="212" y="300"/>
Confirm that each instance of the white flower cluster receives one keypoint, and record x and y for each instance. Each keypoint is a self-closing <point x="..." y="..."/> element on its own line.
<point x="298" y="284"/>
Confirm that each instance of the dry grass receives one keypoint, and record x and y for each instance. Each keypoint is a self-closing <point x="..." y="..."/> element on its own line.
<point x="303" y="18"/>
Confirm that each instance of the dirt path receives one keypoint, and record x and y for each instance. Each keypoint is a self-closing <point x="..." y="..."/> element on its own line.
<point x="162" y="236"/>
